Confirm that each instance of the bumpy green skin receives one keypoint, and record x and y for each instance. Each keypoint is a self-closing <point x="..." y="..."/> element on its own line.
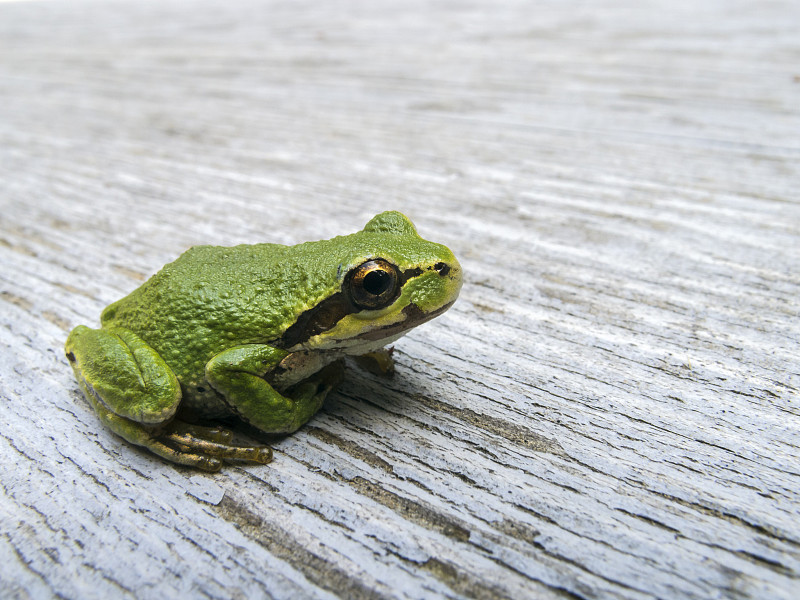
<point x="202" y="338"/>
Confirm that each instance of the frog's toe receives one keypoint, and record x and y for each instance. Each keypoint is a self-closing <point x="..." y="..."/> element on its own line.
<point x="184" y="457"/>
<point x="212" y="443"/>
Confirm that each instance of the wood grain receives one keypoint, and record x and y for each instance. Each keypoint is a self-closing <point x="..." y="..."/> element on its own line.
<point x="609" y="411"/>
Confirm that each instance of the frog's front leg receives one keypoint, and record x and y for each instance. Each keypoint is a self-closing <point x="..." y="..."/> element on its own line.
<point x="135" y="394"/>
<point x="238" y="374"/>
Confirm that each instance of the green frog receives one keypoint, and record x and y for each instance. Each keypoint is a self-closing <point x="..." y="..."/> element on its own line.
<point x="258" y="332"/>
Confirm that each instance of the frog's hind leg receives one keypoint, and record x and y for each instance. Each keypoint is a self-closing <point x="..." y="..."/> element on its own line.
<point x="190" y="445"/>
<point x="136" y="394"/>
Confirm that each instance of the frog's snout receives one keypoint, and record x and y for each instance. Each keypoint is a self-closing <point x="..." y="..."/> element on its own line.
<point x="437" y="288"/>
<point x="452" y="272"/>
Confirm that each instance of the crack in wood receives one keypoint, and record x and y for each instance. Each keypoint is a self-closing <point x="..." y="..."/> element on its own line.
<point x="517" y="434"/>
<point x="766" y="530"/>
<point x="281" y="544"/>
<point x="462" y="582"/>
<point x="412" y="510"/>
<point x="350" y="448"/>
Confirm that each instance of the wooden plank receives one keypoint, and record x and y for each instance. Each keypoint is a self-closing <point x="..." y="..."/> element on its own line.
<point x="609" y="411"/>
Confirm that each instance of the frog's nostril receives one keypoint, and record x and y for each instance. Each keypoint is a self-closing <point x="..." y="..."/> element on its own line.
<point x="442" y="268"/>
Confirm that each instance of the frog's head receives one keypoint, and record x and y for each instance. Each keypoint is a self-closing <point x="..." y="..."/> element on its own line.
<point x="387" y="280"/>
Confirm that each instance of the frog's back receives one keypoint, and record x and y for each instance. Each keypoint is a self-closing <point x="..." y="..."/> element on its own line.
<point x="208" y="299"/>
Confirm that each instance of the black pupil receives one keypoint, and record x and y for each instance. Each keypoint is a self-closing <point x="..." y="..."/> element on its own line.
<point x="376" y="282"/>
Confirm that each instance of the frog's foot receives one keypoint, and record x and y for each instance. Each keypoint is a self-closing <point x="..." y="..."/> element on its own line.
<point x="379" y="362"/>
<point x="204" y="447"/>
<point x="191" y="445"/>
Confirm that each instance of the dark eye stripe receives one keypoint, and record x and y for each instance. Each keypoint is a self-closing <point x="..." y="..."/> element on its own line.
<point x="316" y="320"/>
<point x="326" y="315"/>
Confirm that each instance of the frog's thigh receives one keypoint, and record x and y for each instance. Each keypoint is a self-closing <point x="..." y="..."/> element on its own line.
<point x="238" y="374"/>
<point x="120" y="372"/>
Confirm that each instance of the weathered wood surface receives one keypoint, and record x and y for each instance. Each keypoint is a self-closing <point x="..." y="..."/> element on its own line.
<point x="609" y="411"/>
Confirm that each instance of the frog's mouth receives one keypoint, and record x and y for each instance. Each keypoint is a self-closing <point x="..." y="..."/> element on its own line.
<point x="413" y="316"/>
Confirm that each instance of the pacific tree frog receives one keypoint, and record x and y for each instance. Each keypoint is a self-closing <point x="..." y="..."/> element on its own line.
<point x="256" y="332"/>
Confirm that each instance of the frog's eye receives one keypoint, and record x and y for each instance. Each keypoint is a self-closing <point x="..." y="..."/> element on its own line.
<point x="373" y="284"/>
